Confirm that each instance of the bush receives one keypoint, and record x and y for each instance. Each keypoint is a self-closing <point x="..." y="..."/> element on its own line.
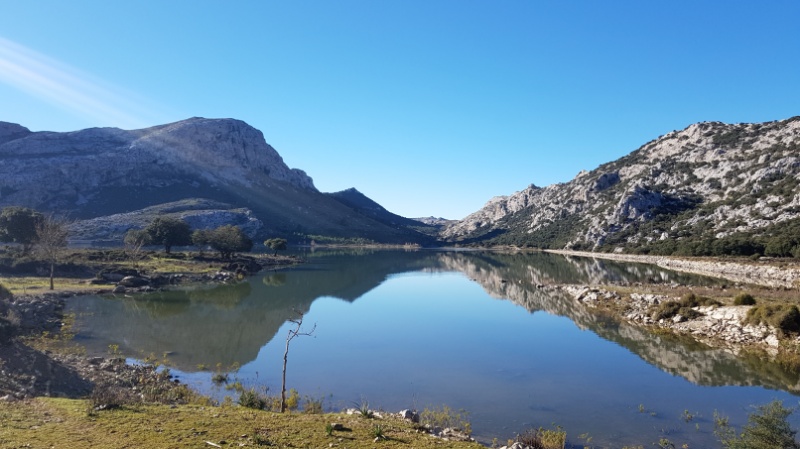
<point x="446" y="417"/>
<point x="684" y="307"/>
<point x="744" y="299"/>
<point x="253" y="399"/>
<point x="107" y="396"/>
<point x="766" y="429"/>
<point x="785" y="318"/>
<point x="544" y="438"/>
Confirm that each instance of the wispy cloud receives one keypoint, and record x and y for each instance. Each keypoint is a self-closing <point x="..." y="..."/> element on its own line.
<point x="70" y="89"/>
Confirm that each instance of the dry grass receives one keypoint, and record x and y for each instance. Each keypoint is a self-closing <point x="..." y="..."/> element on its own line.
<point x="47" y="422"/>
<point x="20" y="285"/>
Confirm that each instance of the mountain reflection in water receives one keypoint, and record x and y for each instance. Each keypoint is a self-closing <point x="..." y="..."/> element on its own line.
<point x="229" y="324"/>
<point x="481" y="330"/>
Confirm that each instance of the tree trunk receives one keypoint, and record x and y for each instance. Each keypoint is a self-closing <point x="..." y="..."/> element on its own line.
<point x="283" y="380"/>
<point x="52" y="271"/>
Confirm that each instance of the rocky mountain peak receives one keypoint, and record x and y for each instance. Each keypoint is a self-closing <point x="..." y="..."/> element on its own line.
<point x="98" y="166"/>
<point x="231" y="147"/>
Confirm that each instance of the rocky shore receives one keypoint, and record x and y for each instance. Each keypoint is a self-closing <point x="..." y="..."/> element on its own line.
<point x="757" y="272"/>
<point x="719" y="325"/>
<point x="715" y="325"/>
<point x="40" y="361"/>
<point x="37" y="358"/>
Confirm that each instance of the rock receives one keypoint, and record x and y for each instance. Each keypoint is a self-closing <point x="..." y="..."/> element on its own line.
<point x="133" y="281"/>
<point x="409" y="415"/>
<point x="772" y="341"/>
<point x="116" y="275"/>
<point x="119" y="289"/>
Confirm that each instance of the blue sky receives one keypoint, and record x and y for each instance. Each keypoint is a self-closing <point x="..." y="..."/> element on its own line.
<point x="428" y="107"/>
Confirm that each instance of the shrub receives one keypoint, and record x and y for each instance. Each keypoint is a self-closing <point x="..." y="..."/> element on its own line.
<point x="253" y="399"/>
<point x="744" y="299"/>
<point x="544" y="438"/>
<point x="107" y="396"/>
<point x="766" y="429"/>
<point x="684" y="307"/>
<point x="785" y="318"/>
<point x="446" y="417"/>
<point x="377" y="432"/>
<point x="313" y="405"/>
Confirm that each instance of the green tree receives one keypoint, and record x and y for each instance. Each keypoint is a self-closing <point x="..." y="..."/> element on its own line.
<point x="18" y="225"/>
<point x="227" y="240"/>
<point x="276" y="244"/>
<point x="51" y="241"/>
<point x="169" y="232"/>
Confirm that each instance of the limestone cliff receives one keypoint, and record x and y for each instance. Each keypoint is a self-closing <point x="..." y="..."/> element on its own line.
<point x="110" y="172"/>
<point x="708" y="181"/>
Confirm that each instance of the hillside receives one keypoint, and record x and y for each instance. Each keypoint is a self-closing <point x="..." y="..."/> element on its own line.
<point x="710" y="189"/>
<point x="360" y="203"/>
<point x="102" y="172"/>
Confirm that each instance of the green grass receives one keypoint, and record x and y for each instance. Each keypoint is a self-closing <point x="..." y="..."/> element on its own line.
<point x="47" y="422"/>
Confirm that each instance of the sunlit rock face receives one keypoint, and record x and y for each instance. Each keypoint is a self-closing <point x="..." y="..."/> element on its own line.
<point x="721" y="178"/>
<point x="70" y="171"/>
<point x="109" y="172"/>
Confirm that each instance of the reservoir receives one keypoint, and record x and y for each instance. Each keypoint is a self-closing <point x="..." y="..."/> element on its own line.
<point x="486" y="332"/>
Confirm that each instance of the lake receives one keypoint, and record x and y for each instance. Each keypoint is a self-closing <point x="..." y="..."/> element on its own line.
<point x="473" y="330"/>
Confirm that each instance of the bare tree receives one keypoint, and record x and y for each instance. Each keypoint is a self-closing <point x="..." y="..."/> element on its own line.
<point x="135" y="240"/>
<point x="51" y="240"/>
<point x="298" y="322"/>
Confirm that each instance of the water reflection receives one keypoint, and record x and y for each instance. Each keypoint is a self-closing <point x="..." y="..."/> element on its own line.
<point x="229" y="324"/>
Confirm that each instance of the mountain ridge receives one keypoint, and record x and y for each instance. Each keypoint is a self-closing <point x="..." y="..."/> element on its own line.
<point x="709" y="189"/>
<point x="708" y="181"/>
<point x="99" y="172"/>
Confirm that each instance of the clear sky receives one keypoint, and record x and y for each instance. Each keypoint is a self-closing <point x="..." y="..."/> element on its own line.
<point x="429" y="107"/>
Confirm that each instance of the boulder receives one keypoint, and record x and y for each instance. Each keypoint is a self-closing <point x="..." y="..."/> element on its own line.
<point x="409" y="415"/>
<point x="134" y="281"/>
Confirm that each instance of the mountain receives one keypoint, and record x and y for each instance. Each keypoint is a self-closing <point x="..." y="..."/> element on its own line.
<point x="102" y="172"/>
<point x="712" y="188"/>
<point x="360" y="203"/>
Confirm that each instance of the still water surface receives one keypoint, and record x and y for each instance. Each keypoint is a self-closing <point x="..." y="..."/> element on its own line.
<point x="473" y="330"/>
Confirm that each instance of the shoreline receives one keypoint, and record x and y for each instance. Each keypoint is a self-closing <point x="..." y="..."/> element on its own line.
<point x="756" y="273"/>
<point x="38" y="357"/>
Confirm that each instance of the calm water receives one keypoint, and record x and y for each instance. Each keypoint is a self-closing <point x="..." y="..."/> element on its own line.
<point x="473" y="330"/>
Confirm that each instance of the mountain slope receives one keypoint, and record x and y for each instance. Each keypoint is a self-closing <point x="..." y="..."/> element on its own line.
<point x="711" y="182"/>
<point x="104" y="171"/>
<point x="362" y="204"/>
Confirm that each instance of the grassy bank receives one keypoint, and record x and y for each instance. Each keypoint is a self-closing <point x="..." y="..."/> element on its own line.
<point x="77" y="268"/>
<point x="48" y="422"/>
